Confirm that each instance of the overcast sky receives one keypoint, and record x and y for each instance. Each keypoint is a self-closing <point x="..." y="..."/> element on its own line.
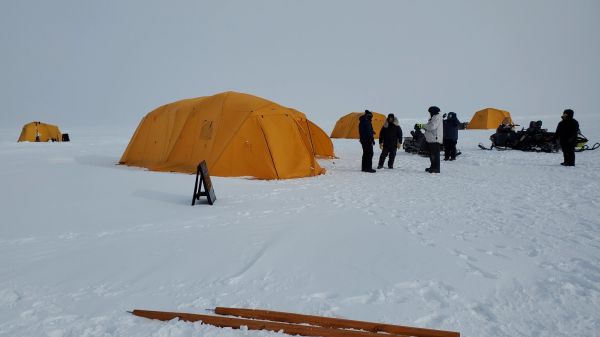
<point x="109" y="62"/>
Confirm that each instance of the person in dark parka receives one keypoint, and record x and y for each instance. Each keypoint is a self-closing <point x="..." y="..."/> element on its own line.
<point x="367" y="140"/>
<point x="390" y="138"/>
<point x="566" y="133"/>
<point x="450" y="136"/>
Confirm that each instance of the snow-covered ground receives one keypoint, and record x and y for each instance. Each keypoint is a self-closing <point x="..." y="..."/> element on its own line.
<point x="498" y="244"/>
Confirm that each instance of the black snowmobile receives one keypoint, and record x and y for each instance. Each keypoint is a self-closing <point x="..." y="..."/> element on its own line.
<point x="417" y="144"/>
<point x="532" y="139"/>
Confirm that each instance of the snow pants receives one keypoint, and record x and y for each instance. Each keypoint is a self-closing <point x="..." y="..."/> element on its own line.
<point x="391" y="151"/>
<point x="434" y="156"/>
<point x="449" y="149"/>
<point x="367" y="157"/>
<point x="568" y="150"/>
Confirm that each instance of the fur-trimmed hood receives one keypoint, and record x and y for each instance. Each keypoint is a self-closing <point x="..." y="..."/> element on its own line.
<point x="396" y="122"/>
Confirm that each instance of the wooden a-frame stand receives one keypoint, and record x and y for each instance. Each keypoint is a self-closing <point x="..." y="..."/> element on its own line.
<point x="203" y="178"/>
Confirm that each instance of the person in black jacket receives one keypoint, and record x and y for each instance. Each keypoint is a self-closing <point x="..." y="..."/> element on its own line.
<point x="450" y="136"/>
<point x="367" y="140"/>
<point x="566" y="133"/>
<point x="390" y="138"/>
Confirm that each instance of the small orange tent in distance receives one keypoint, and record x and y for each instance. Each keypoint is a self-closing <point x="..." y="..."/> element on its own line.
<point x="40" y="132"/>
<point x="237" y="134"/>
<point x="347" y="126"/>
<point x="488" y="118"/>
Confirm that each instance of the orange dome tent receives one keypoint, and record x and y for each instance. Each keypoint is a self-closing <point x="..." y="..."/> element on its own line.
<point x="347" y="126"/>
<point x="40" y="132"/>
<point x="237" y="134"/>
<point x="488" y="118"/>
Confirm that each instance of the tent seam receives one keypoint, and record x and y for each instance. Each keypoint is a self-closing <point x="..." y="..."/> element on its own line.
<point x="269" y="148"/>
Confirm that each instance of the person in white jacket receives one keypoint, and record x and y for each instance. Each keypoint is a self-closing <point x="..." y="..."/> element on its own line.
<point x="434" y="136"/>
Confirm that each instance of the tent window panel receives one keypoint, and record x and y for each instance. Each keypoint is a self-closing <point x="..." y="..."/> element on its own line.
<point x="206" y="132"/>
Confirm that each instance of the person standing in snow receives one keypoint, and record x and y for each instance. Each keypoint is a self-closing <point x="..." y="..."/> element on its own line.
<point x="450" y="136"/>
<point x="390" y="138"/>
<point x="566" y="133"/>
<point x="434" y="132"/>
<point x="367" y="140"/>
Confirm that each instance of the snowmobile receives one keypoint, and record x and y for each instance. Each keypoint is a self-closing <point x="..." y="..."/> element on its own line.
<point x="582" y="143"/>
<point x="417" y="144"/>
<point x="532" y="139"/>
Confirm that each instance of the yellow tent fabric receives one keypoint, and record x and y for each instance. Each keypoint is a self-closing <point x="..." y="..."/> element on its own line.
<point x="488" y="118"/>
<point x="321" y="144"/>
<point x="40" y="132"/>
<point x="237" y="134"/>
<point x="347" y="126"/>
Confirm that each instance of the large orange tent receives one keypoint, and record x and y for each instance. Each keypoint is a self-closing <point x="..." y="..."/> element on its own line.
<point x="237" y="134"/>
<point x="347" y="126"/>
<point x="40" y="132"/>
<point x="488" y="118"/>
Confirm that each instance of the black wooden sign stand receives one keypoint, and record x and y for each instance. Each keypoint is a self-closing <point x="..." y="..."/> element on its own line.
<point x="209" y="193"/>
